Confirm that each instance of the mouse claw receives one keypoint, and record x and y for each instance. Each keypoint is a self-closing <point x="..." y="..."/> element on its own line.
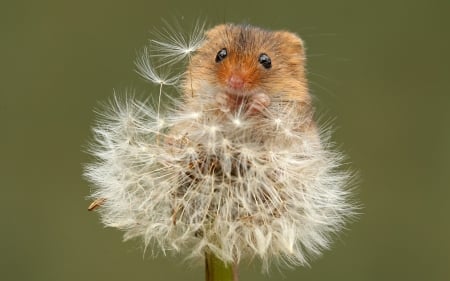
<point x="258" y="103"/>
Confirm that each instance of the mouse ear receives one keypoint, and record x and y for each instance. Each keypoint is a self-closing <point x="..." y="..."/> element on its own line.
<point x="291" y="41"/>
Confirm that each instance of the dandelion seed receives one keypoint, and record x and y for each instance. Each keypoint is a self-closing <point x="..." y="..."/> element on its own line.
<point x="174" y="46"/>
<point x="237" y="122"/>
<point x="147" y="71"/>
<point x="277" y="122"/>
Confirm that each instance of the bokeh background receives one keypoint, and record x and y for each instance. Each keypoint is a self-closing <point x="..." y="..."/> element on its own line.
<point x="380" y="68"/>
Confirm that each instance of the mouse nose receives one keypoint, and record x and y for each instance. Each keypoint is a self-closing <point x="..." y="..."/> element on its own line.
<point x="236" y="81"/>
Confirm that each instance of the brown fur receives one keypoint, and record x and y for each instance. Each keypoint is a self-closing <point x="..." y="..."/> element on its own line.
<point x="244" y="44"/>
<point x="284" y="82"/>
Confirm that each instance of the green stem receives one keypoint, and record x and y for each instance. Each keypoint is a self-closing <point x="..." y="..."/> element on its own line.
<point x="217" y="270"/>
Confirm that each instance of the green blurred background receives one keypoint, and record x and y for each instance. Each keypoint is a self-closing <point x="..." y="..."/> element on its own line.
<point x="381" y="68"/>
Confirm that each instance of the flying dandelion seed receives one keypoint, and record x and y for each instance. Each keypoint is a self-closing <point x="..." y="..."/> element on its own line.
<point x="147" y="71"/>
<point x="237" y="167"/>
<point x="173" y="46"/>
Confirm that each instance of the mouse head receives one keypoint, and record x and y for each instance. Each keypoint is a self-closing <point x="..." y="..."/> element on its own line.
<point x="244" y="60"/>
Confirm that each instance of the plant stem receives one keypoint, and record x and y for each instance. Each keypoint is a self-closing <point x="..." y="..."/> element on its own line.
<point x="217" y="270"/>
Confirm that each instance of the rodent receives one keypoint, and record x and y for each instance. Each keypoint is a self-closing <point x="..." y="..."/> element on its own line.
<point x="246" y="64"/>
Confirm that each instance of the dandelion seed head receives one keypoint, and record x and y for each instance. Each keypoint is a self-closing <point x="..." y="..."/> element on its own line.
<point x="195" y="177"/>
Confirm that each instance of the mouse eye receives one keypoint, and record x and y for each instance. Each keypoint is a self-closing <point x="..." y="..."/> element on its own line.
<point x="221" y="55"/>
<point x="265" y="60"/>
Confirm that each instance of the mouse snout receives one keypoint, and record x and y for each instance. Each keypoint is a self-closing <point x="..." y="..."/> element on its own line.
<point x="236" y="81"/>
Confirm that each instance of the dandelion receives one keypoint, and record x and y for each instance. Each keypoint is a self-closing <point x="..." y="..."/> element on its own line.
<point x="229" y="177"/>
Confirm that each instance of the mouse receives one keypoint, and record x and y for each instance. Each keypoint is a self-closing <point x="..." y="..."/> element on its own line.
<point x="248" y="68"/>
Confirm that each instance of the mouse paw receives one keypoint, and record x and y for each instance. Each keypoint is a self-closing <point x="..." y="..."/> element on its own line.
<point x="257" y="103"/>
<point x="223" y="100"/>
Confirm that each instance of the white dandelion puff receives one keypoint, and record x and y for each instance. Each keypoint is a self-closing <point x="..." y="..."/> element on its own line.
<point x="199" y="188"/>
<point x="238" y="183"/>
